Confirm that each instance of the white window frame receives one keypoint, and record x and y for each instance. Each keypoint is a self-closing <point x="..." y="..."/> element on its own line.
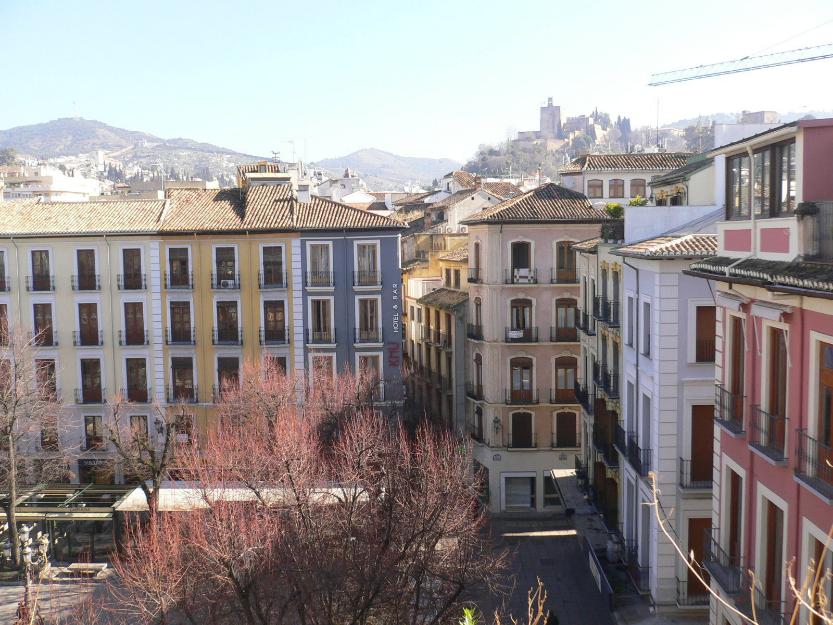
<point x="646" y="327"/>
<point x="375" y="242"/>
<point x="75" y="251"/>
<point x="555" y="428"/>
<point x="133" y="298"/>
<point x="691" y="335"/>
<point x="169" y="374"/>
<point x="214" y="248"/>
<point x="95" y="299"/>
<point x="167" y="268"/>
<point x="228" y="297"/>
<point x="813" y="381"/>
<point x="308" y="247"/>
<point x="142" y="260"/>
<point x="378" y="299"/>
<point x="262" y="269"/>
<point x="179" y="299"/>
<point x="762" y="495"/>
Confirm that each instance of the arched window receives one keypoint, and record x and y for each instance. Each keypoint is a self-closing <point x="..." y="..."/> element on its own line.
<point x="474" y="272"/>
<point x="638" y="187"/>
<point x="478" y="373"/>
<point x="595" y="189"/>
<point x="565" y="380"/>
<point x="521" y="435"/>
<point x="565" y="263"/>
<point x="565" y="430"/>
<point x="565" y="321"/>
<point x="478" y="318"/>
<point x="521" y="380"/>
<point x="616" y="187"/>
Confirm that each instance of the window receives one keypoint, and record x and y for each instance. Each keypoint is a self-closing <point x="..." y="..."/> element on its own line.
<point x="478" y="373"/>
<point x="761" y="196"/>
<point x="137" y="379"/>
<point x="565" y="320"/>
<point x="595" y="189"/>
<point x="737" y="198"/>
<point x="274" y="321"/>
<point x="772" y="426"/>
<point x="565" y="379"/>
<point x="322" y="321"/>
<point x="519" y="493"/>
<point x="181" y="322"/>
<point x="4" y="283"/>
<point x="616" y="187"/>
<point x="638" y="187"/>
<point x="91" y="391"/>
<point x="773" y="551"/>
<point x="320" y="265"/>
<point x="565" y="430"/>
<point x="228" y="372"/>
<point x="521" y="314"/>
<point x="93" y="432"/>
<point x="139" y="426"/>
<point x="132" y="278"/>
<point x="225" y="266"/>
<point x="182" y="376"/>
<point x="273" y="274"/>
<point x="367" y="264"/>
<point x="184" y="428"/>
<point x="370" y="365"/>
<point x="821" y="588"/>
<point x="737" y="358"/>
<point x="478" y="318"/>
<point x="227" y="322"/>
<point x="87" y="280"/>
<point x="323" y="366"/>
<point x="369" y="325"/>
<point x="456" y="278"/>
<point x="521" y="255"/>
<point x="447" y="277"/>
<point x="87" y="325"/>
<point x="41" y="274"/>
<point x="476" y="261"/>
<point x="565" y="267"/>
<point x="824" y="420"/>
<point x="522" y="435"/>
<point x="704" y="339"/>
<point x="646" y="329"/>
<point x="521" y="379"/>
<point x="702" y="442"/>
<point x="45" y="377"/>
<point x="134" y="323"/>
<point x="44" y="332"/>
<point x="552" y="498"/>
<point x="785" y="178"/>
<point x="179" y="272"/>
<point x="629" y="333"/>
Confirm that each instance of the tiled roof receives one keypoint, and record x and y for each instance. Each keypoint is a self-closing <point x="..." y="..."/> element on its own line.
<point x="682" y="173"/>
<point x="447" y="299"/>
<point x="194" y="210"/>
<point x="636" y="161"/>
<point x="463" y="178"/>
<point x="804" y="275"/>
<point x="407" y="217"/>
<point x="681" y="246"/>
<point x="459" y="254"/>
<point x="503" y="190"/>
<point x="31" y="217"/>
<point x="267" y="166"/>
<point x="547" y="203"/>
<point x="413" y="199"/>
<point x="452" y="199"/>
<point x="588" y="245"/>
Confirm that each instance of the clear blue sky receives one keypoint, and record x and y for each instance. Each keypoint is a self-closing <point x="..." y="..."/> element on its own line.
<point x="427" y="78"/>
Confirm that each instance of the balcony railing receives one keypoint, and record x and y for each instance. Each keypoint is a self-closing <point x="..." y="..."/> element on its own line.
<point x="585" y="324"/>
<point x="90" y="395"/>
<point x="183" y="281"/>
<point x="728" y="409"/>
<point x="273" y="336"/>
<point x="639" y="575"/>
<point x="474" y="391"/>
<point x="320" y="279"/>
<point x="563" y="396"/>
<point x="40" y="283"/>
<point x="474" y="331"/>
<point x="598" y="376"/>
<point x="694" y="479"/>
<point x="43" y="338"/>
<point x="321" y="337"/>
<point x="704" y="350"/>
<point x="367" y="278"/>
<point x="88" y="339"/>
<point x="692" y="595"/>
<point x="563" y="335"/>
<point x="175" y="394"/>
<point x="271" y="280"/>
<point x="766" y="611"/>
<point x="443" y="339"/>
<point x="620" y="440"/>
<point x="724" y="568"/>
<point x="639" y="457"/>
<point x="523" y="442"/>
<point x="814" y="463"/>
<point x="585" y="398"/>
<point x="603" y="442"/>
<point x="600" y="308"/>
<point x="93" y="442"/>
<point x="521" y="335"/>
<point x="520" y="397"/>
<point x="367" y="335"/>
<point x="563" y="276"/>
<point x="226" y="336"/>
<point x="768" y="433"/>
<point x="225" y="281"/>
<point x="613" y="313"/>
<point x="139" y="337"/>
<point x="181" y="336"/>
<point x="131" y="281"/>
<point x="137" y="394"/>
<point x="475" y="275"/>
<point x="86" y="282"/>
<point x="610" y="383"/>
<point x="5" y="284"/>
<point x="521" y="275"/>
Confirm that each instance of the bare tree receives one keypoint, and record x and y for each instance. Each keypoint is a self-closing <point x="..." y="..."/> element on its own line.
<point x="28" y="423"/>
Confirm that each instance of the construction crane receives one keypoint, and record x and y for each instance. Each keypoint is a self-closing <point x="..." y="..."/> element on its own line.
<point x="745" y="64"/>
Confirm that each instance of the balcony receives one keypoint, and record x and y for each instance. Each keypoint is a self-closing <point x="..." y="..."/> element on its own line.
<point x="475" y="276"/>
<point x="600" y="309"/>
<point x="725" y="569"/>
<point x="814" y="464"/>
<point x="728" y="409"/>
<point x="520" y="397"/>
<point x="319" y="280"/>
<point x="273" y="336"/>
<point x="474" y="391"/>
<point x="766" y="611"/>
<point x="442" y="339"/>
<point x="474" y="331"/>
<point x="604" y="445"/>
<point x="131" y="282"/>
<point x="613" y="313"/>
<point x="563" y="335"/>
<point x="177" y="394"/>
<point x="639" y="457"/>
<point x="44" y="338"/>
<point x="367" y="278"/>
<point x="529" y="441"/>
<point x="225" y="281"/>
<point x="521" y="335"/>
<point x="90" y="395"/>
<point x="768" y="434"/>
<point x="620" y="440"/>
<point x="585" y="398"/>
<point x="93" y="442"/>
<point x="86" y="282"/>
<point x="179" y="281"/>
<point x="585" y="324"/>
<point x="694" y="477"/>
<point x="639" y="575"/>
<point x="690" y="596"/>
<point x="367" y="335"/>
<point x="610" y="383"/>
<point x="5" y="284"/>
<point x="40" y="283"/>
<point x="177" y="335"/>
<point x="563" y="276"/>
<point x="226" y="336"/>
<point x="598" y="375"/>
<point x="137" y="394"/>
<point x="321" y="337"/>
<point x="271" y="280"/>
<point x="566" y="396"/>
<point x="139" y="337"/>
<point x="88" y="338"/>
<point x="521" y="275"/>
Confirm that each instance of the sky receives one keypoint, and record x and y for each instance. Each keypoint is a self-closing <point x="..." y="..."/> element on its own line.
<point x="433" y="78"/>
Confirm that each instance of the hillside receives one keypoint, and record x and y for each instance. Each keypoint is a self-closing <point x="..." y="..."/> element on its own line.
<point x="383" y="170"/>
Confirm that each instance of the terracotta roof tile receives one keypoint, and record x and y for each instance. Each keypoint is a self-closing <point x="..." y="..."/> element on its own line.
<point x="636" y="161"/>
<point x="31" y="217"/>
<point x="463" y="178"/>
<point x="588" y="245"/>
<point x="413" y="199"/>
<point x="680" y="246"/>
<point x="447" y="299"/>
<point x="547" y="203"/>
<point x="805" y="275"/>
<point x="503" y="190"/>
<point x="459" y="254"/>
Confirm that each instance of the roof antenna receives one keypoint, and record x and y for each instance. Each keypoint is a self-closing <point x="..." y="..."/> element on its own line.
<point x="276" y="157"/>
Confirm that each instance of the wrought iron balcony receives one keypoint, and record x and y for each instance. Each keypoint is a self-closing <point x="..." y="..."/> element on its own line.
<point x="475" y="275"/>
<point x="94" y="395"/>
<point x="766" y="611"/>
<point x="600" y="309"/>
<point x="639" y="457"/>
<point x="639" y="575"/>
<point x="367" y="335"/>
<point x="273" y="336"/>
<point x="724" y="568"/>
<point x="610" y="383"/>
<point x="320" y="279"/>
<point x="584" y="397"/>
<point x="93" y="442"/>
<point x="523" y="442"/>
<point x="88" y="338"/>
<point x="271" y="280"/>
<point x="692" y="594"/>
<point x="603" y="442"/>
<point x="768" y="433"/>
<point x="613" y="313"/>
<point x="563" y="396"/>
<point x="226" y="336"/>
<point x="134" y="281"/>
<point x="728" y="409"/>
<point x="520" y="397"/>
<point x="137" y="394"/>
<point x="586" y="324"/>
<point x="321" y="337"/>
<point x="367" y="278"/>
<point x="179" y="281"/>
<point x="563" y="335"/>
<point x="43" y="338"/>
<point x="563" y="276"/>
<point x="521" y="335"/>
<point x="86" y="282"/>
<point x="178" y="335"/>
<point x="176" y="394"/>
<point x="225" y="281"/>
<point x="40" y="282"/>
<point x="474" y="331"/>
<point x="138" y="337"/>
<point x="474" y="391"/>
<point x="692" y="478"/>
<point x="814" y="463"/>
<point x="521" y="275"/>
<point x="620" y="440"/>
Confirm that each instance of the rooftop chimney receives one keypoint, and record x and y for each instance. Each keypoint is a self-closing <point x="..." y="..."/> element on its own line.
<point x="304" y="193"/>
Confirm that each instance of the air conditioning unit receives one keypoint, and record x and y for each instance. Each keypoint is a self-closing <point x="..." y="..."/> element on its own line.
<point x="226" y="284"/>
<point x="523" y="275"/>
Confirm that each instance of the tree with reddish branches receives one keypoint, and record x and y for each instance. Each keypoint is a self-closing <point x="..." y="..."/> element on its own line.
<point x="309" y="507"/>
